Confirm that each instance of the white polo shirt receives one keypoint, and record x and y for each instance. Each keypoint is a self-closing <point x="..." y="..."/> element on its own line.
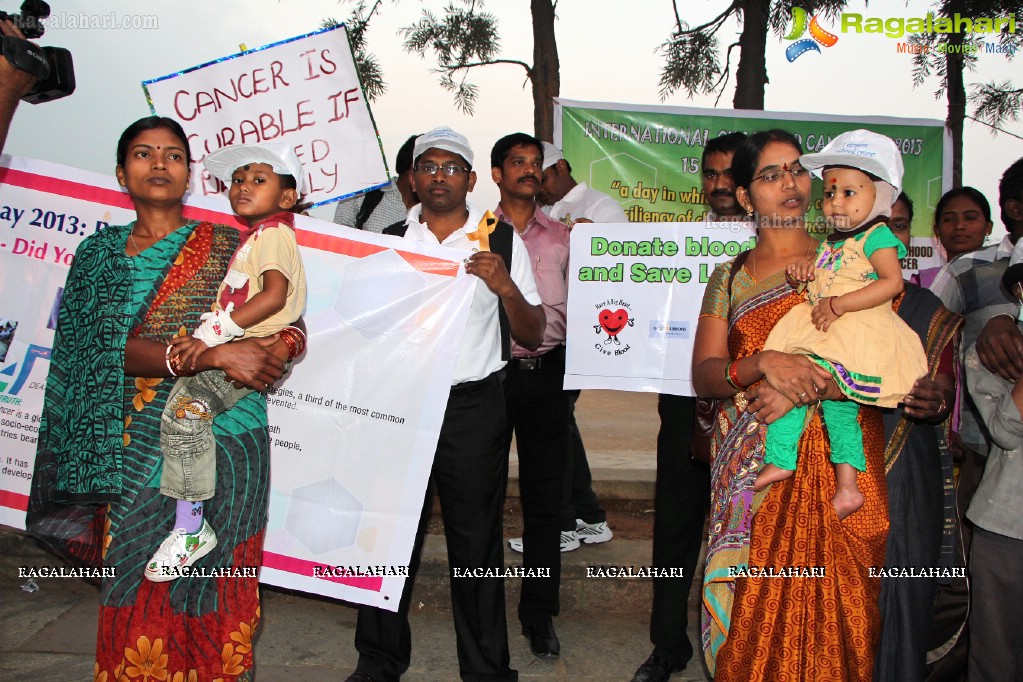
<point x="480" y="354"/>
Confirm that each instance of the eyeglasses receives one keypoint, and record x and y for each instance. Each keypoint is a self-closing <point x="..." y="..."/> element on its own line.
<point x="432" y="168"/>
<point x="773" y="176"/>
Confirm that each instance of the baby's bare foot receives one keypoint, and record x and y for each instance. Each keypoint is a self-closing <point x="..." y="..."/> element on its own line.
<point x="847" y="501"/>
<point x="771" y="474"/>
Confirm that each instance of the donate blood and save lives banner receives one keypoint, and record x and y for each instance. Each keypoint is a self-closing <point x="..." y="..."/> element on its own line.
<point x="353" y="427"/>
<point x="634" y="298"/>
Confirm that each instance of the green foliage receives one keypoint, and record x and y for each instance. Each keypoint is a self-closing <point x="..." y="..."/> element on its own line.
<point x="691" y="54"/>
<point x="928" y="61"/>
<point x="691" y="63"/>
<point x="463" y="38"/>
<point x="366" y="64"/>
<point x="994" y="103"/>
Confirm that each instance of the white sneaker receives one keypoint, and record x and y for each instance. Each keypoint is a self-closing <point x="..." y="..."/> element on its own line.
<point x="179" y="551"/>
<point x="569" y="542"/>
<point x="592" y="533"/>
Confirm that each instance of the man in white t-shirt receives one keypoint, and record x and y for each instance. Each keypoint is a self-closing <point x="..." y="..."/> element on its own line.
<point x="470" y="468"/>
<point x="570" y="202"/>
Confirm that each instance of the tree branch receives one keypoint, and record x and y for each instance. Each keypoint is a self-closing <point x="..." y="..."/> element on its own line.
<point x="715" y="22"/>
<point x="455" y="67"/>
<point x="725" y="74"/>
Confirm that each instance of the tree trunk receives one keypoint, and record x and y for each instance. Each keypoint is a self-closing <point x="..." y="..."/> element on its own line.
<point x="751" y="74"/>
<point x="546" y="75"/>
<point x="956" y="92"/>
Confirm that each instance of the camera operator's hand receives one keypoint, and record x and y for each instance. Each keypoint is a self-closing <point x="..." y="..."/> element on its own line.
<point x="14" y="83"/>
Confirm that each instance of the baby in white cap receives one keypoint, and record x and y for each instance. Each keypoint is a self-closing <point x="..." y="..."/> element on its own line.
<point x="263" y="293"/>
<point x="846" y="324"/>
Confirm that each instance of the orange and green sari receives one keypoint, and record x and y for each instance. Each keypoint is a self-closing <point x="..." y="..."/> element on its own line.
<point x="788" y="592"/>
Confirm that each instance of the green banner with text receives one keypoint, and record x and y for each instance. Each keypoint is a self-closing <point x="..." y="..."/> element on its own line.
<point x="648" y="157"/>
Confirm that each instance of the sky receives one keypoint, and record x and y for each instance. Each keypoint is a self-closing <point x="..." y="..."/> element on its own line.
<point x="608" y="53"/>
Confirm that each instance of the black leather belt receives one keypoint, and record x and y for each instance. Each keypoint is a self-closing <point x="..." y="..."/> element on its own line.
<point x="538" y="361"/>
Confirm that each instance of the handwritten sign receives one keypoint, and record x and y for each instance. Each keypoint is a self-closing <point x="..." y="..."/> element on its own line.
<point x="304" y="91"/>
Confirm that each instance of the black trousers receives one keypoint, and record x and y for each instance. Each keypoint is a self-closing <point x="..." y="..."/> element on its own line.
<point x="469" y="473"/>
<point x="682" y="498"/>
<point x="578" y="501"/>
<point x="996" y="639"/>
<point x="537" y="409"/>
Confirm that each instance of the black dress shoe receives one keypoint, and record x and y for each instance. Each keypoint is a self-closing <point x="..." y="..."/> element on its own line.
<point x="656" y="669"/>
<point x="358" y="677"/>
<point x="543" y="641"/>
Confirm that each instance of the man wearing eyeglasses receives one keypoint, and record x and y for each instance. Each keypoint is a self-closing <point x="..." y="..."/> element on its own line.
<point x="470" y="467"/>
<point x="537" y="404"/>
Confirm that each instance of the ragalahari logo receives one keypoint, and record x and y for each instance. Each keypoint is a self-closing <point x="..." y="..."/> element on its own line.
<point x="817" y="35"/>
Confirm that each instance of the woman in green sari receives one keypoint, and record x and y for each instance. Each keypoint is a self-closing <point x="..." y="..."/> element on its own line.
<point x="95" y="493"/>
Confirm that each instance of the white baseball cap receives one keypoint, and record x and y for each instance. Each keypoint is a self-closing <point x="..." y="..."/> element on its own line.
<point x="443" y="138"/>
<point x="862" y="149"/>
<point x="279" y="155"/>
<point x="551" y="155"/>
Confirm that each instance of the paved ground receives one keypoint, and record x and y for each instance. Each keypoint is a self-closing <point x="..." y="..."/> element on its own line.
<point x="50" y="634"/>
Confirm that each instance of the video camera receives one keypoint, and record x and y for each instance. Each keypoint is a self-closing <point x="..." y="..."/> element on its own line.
<point x="52" y="66"/>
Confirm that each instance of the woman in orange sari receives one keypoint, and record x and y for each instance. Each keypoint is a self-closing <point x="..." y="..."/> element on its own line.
<point x="788" y="590"/>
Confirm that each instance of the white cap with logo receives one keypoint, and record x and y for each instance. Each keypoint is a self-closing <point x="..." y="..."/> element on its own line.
<point x="862" y="149"/>
<point x="443" y="138"/>
<point x="551" y="155"/>
<point x="278" y="155"/>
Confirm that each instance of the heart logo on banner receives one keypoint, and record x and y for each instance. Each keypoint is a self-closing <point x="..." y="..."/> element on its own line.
<point x="613" y="322"/>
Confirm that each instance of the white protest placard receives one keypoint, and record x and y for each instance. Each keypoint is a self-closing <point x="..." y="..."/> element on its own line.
<point x="634" y="299"/>
<point x="304" y="91"/>
<point x="353" y="428"/>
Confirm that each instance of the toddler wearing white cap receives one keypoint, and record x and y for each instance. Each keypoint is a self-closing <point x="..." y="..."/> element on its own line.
<point x="263" y="293"/>
<point x="846" y="324"/>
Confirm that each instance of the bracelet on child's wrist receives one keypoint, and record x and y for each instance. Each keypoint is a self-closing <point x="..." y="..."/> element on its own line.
<point x="831" y="304"/>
